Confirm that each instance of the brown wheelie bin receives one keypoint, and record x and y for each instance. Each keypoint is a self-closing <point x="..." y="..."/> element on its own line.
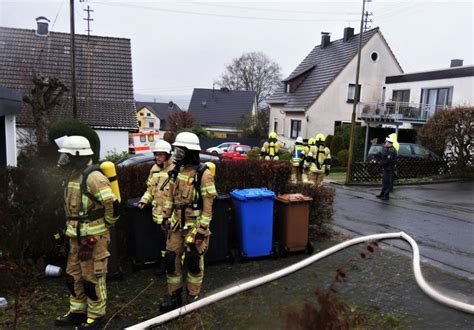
<point x="292" y="222"/>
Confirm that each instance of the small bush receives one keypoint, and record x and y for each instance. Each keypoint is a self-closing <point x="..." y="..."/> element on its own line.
<point x="75" y="127"/>
<point x="115" y="156"/>
<point x="285" y="156"/>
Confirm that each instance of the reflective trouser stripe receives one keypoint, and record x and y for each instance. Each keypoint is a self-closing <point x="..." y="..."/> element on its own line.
<point x="157" y="217"/>
<point x="100" y="308"/>
<point x="173" y="279"/>
<point x="77" y="306"/>
<point x="195" y="279"/>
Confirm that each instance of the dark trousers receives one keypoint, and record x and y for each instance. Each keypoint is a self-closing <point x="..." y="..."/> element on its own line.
<point x="387" y="182"/>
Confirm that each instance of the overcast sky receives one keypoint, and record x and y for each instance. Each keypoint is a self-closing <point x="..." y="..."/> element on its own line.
<point x="177" y="46"/>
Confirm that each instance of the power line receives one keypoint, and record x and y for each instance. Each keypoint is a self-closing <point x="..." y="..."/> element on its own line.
<point x="219" y="15"/>
<point x="267" y="9"/>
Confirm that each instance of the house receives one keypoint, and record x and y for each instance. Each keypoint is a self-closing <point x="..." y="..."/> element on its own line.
<point x="104" y="81"/>
<point x="10" y="104"/>
<point x="220" y="111"/>
<point x="154" y="116"/>
<point x="319" y="94"/>
<point x="412" y="98"/>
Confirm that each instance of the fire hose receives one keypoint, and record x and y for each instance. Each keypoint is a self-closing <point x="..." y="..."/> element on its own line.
<point x="425" y="287"/>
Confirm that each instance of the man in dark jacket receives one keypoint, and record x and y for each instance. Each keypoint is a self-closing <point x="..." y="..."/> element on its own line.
<point x="389" y="157"/>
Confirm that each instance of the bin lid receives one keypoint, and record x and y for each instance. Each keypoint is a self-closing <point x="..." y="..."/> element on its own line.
<point x="252" y="193"/>
<point x="293" y="198"/>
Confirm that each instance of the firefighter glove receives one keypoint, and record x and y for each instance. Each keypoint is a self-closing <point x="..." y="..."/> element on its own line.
<point x="86" y="248"/>
<point x="165" y="224"/>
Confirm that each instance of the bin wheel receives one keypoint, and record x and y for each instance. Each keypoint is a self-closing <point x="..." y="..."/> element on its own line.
<point x="275" y="251"/>
<point x="309" y="248"/>
<point x="235" y="256"/>
<point x="284" y="251"/>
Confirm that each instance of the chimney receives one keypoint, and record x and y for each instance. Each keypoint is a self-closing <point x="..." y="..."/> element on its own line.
<point x="456" y="63"/>
<point x="42" y="29"/>
<point x="325" y="39"/>
<point x="348" y="34"/>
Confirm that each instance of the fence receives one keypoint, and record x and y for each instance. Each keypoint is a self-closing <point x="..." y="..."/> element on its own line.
<point x="406" y="168"/>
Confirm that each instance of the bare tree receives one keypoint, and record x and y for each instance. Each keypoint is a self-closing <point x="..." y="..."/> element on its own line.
<point x="45" y="96"/>
<point x="252" y="71"/>
<point x="180" y="120"/>
<point x="256" y="125"/>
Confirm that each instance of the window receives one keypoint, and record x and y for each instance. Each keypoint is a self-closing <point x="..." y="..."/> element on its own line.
<point x="287" y="88"/>
<point x="141" y="114"/>
<point x="374" y="56"/>
<point x="151" y="138"/>
<point x="151" y="124"/>
<point x="139" y="123"/>
<point x="420" y="151"/>
<point x="295" y="128"/>
<point x="351" y="93"/>
<point x="437" y="98"/>
<point x="142" y="138"/>
<point x="402" y="95"/>
<point x="275" y="125"/>
<point x="148" y="114"/>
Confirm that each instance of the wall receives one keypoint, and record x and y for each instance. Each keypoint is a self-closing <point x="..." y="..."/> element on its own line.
<point x="332" y="105"/>
<point x="145" y="119"/>
<point x="462" y="89"/>
<point x="112" y="141"/>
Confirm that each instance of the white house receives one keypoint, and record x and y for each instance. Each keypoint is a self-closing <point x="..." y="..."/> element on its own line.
<point x="10" y="104"/>
<point x="319" y="93"/>
<point x="153" y="116"/>
<point x="104" y="79"/>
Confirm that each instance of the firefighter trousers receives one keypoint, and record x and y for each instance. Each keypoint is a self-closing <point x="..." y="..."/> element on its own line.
<point x="86" y="279"/>
<point x="178" y="254"/>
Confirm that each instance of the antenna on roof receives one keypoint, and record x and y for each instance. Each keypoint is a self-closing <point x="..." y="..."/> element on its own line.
<point x="89" y="20"/>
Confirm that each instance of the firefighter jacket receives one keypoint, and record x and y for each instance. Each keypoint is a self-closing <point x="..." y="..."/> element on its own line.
<point x="153" y="194"/>
<point x="297" y="154"/>
<point x="184" y="198"/>
<point x="271" y="149"/>
<point x="321" y="159"/>
<point x="93" y="211"/>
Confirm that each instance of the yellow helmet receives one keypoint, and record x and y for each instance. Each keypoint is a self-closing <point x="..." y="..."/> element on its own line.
<point x="272" y="135"/>
<point x="311" y="142"/>
<point x="320" y="138"/>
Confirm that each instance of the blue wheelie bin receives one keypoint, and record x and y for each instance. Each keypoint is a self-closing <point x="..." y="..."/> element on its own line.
<point x="254" y="210"/>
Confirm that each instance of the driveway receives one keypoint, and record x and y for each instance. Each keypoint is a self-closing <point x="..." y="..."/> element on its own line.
<point x="440" y="217"/>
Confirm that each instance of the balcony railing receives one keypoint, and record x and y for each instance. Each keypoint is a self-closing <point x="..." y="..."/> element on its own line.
<point x="396" y="111"/>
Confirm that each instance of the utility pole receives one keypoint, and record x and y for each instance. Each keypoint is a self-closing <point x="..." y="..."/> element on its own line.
<point x="356" y="99"/>
<point x="367" y="20"/>
<point x="73" y="61"/>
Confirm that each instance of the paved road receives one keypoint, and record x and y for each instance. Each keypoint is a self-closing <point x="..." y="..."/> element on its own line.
<point x="440" y="217"/>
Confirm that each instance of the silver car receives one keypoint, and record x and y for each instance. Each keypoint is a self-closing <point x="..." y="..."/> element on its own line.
<point x="221" y="148"/>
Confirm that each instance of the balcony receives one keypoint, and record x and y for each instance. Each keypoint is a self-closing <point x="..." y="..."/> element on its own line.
<point x="399" y="112"/>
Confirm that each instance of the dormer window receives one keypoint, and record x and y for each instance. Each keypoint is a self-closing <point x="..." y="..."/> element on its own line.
<point x="288" y="88"/>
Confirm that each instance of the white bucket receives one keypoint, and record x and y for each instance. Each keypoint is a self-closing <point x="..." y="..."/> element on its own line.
<point x="52" y="271"/>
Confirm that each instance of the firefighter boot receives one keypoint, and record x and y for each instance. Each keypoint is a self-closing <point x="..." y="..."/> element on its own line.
<point x="70" y="319"/>
<point x="92" y="323"/>
<point x="172" y="301"/>
<point x="190" y="298"/>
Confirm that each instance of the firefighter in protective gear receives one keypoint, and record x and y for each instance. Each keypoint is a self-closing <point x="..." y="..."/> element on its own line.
<point x="320" y="160"/>
<point x="308" y="159"/>
<point x="91" y="208"/>
<point x="297" y="160"/>
<point x="189" y="208"/>
<point x="271" y="148"/>
<point x="156" y="195"/>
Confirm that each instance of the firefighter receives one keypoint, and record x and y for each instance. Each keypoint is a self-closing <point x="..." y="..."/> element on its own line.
<point x="308" y="159"/>
<point x="155" y="195"/>
<point x="187" y="214"/>
<point x="91" y="208"/>
<point x="271" y="148"/>
<point x="321" y="160"/>
<point x="396" y="146"/>
<point x="389" y="157"/>
<point x="297" y="160"/>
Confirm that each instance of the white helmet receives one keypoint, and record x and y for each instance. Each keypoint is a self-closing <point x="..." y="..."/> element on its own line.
<point x="162" y="146"/>
<point x="299" y="139"/>
<point x="76" y="146"/>
<point x="187" y="140"/>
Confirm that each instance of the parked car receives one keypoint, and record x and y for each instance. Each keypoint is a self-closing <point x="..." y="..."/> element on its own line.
<point x="149" y="159"/>
<point x="221" y="148"/>
<point x="407" y="150"/>
<point x="236" y="152"/>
